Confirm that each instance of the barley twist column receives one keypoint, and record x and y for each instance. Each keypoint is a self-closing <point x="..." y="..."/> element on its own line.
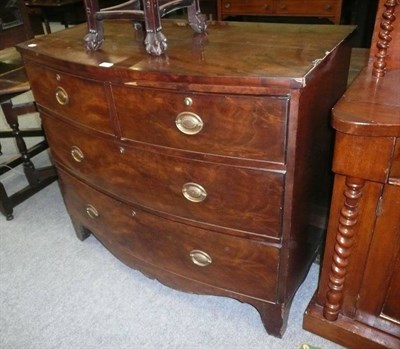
<point x="344" y="240"/>
<point x="388" y="18"/>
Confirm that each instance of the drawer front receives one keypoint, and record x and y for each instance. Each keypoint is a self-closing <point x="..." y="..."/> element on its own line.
<point x="308" y="8"/>
<point x="246" y="127"/>
<point x="231" y="197"/>
<point x="230" y="263"/>
<point x="81" y="101"/>
<point x="257" y="7"/>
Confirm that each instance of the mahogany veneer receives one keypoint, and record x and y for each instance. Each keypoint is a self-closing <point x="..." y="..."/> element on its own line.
<point x="201" y="167"/>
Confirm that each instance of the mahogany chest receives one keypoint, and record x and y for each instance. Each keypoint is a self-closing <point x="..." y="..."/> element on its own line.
<point x="204" y="167"/>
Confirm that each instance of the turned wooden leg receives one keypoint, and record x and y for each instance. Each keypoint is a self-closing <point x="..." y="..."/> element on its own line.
<point x="197" y="20"/>
<point x="81" y="232"/>
<point x="95" y="36"/>
<point x="155" y="41"/>
<point x="6" y="207"/>
<point x="12" y="120"/>
<point x="344" y="240"/>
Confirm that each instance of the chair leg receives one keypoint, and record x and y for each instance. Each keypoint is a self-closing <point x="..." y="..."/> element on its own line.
<point x="37" y="178"/>
<point x="150" y="11"/>
<point x="196" y="19"/>
<point x="7" y="203"/>
<point x="6" y="207"/>
<point x="95" y="36"/>
<point x="155" y="41"/>
<point x="12" y="120"/>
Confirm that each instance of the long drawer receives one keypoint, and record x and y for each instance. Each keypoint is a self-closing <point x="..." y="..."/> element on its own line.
<point x="259" y="7"/>
<point x="280" y="7"/>
<point x="230" y="263"/>
<point x="233" y="197"/>
<point x="79" y="100"/>
<point x="308" y="8"/>
<point x="241" y="126"/>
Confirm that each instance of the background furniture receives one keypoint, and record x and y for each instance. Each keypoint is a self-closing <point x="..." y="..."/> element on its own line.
<point x="13" y="81"/>
<point x="204" y="167"/>
<point x="357" y="302"/>
<point x="14" y="25"/>
<point x="67" y="11"/>
<point x="363" y="14"/>
<point x="330" y="9"/>
<point x="209" y="8"/>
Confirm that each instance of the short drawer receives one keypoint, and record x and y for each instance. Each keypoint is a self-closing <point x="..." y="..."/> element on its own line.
<point x="81" y="101"/>
<point x="307" y="8"/>
<point x="256" y="7"/>
<point x="240" y="126"/>
<point x="230" y="263"/>
<point x="238" y="198"/>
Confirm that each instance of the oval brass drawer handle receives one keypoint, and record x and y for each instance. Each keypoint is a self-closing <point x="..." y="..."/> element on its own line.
<point x="62" y="96"/>
<point x="189" y="123"/>
<point x="77" y="154"/>
<point x="91" y="211"/>
<point x="194" y="192"/>
<point x="200" y="258"/>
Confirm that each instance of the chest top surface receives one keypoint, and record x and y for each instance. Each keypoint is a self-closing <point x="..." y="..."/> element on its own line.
<point x="371" y="106"/>
<point x="253" y="54"/>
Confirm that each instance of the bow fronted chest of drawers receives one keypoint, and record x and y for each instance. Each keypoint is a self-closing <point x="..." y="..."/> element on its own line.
<point x="204" y="167"/>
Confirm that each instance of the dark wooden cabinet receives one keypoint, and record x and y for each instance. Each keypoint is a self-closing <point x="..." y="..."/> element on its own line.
<point x="330" y="9"/>
<point x="357" y="302"/>
<point x="201" y="167"/>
